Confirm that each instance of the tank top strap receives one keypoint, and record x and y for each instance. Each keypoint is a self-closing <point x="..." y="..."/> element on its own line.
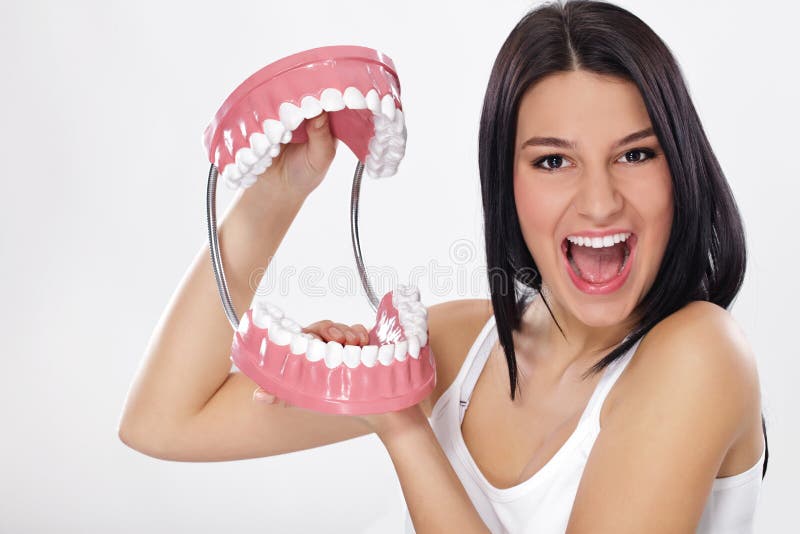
<point x="473" y="365"/>
<point x="612" y="372"/>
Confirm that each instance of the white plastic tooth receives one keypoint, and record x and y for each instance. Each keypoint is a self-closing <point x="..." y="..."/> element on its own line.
<point x="290" y="325"/>
<point x="316" y="350"/>
<point x="261" y="165"/>
<point x="274" y="130"/>
<point x="286" y="137"/>
<point x="408" y="291"/>
<point x="369" y="355"/>
<point x="353" y="98"/>
<point x="244" y="324"/>
<point x="299" y="344"/>
<point x="608" y="241"/>
<point x="373" y="101"/>
<point x="231" y="171"/>
<point x="389" y="171"/>
<point x="245" y="156"/>
<point x="387" y="106"/>
<point x="291" y="116"/>
<point x="418" y="308"/>
<point x="386" y="353"/>
<point x="274" y="151"/>
<point x="412" y="308"/>
<point x="422" y="336"/>
<point x="331" y="99"/>
<point x="351" y="356"/>
<point x="231" y="175"/>
<point x="416" y="321"/>
<point x="232" y="185"/>
<point x="243" y="168"/>
<point x="333" y="354"/>
<point x="413" y="346"/>
<point x="310" y="107"/>
<point x="406" y="324"/>
<point x="259" y="144"/>
<point x="373" y="166"/>
<point x="401" y="350"/>
<point x="420" y="333"/>
<point x="262" y="318"/>
<point x="279" y="336"/>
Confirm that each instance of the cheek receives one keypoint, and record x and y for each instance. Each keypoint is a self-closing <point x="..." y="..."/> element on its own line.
<point x="660" y="204"/>
<point x="538" y="211"/>
<point x="654" y="202"/>
<point x="530" y="209"/>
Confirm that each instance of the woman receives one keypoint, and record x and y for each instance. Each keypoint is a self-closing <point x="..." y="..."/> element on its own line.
<point x="634" y="403"/>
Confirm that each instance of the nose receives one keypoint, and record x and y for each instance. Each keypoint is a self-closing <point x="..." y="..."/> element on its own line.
<point x="597" y="197"/>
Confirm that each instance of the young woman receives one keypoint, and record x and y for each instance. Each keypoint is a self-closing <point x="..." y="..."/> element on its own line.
<point x="564" y="403"/>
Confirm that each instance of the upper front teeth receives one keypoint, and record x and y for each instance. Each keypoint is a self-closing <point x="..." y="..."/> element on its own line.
<point x="386" y="148"/>
<point x="598" y="242"/>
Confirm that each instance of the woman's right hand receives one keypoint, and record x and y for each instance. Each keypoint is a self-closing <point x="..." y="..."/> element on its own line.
<point x="300" y="167"/>
<point x="325" y="330"/>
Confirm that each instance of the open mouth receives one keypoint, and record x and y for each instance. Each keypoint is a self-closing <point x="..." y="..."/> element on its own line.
<point x="599" y="265"/>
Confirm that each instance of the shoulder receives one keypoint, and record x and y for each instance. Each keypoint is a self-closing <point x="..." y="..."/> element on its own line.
<point x="690" y="393"/>
<point x="452" y="328"/>
<point x="696" y="357"/>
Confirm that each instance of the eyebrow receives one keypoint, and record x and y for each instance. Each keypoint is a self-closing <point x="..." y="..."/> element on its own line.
<point x="563" y="143"/>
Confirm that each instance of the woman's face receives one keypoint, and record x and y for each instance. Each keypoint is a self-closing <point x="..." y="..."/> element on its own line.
<point x="575" y="174"/>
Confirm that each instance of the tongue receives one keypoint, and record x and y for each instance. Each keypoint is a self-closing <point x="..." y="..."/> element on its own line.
<point x="598" y="265"/>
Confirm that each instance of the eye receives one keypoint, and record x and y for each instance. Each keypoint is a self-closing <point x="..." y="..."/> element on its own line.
<point x="643" y="155"/>
<point x="553" y="162"/>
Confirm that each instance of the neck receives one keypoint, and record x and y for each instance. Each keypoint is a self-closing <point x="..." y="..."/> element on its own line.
<point x="580" y="344"/>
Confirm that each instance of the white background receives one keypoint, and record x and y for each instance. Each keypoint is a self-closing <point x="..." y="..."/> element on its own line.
<point x="102" y="107"/>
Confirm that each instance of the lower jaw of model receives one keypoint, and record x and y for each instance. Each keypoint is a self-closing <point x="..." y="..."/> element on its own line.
<point x="396" y="369"/>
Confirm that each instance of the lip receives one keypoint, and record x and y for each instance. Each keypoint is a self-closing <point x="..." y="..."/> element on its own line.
<point x="606" y="287"/>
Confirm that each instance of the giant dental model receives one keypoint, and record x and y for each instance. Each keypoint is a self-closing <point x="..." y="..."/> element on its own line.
<point x="360" y="90"/>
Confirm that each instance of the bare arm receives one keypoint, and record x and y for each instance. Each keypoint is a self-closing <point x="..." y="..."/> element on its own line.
<point x="184" y="404"/>
<point x="436" y="499"/>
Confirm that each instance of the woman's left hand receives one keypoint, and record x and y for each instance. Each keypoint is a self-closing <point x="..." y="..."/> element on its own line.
<point x="382" y="424"/>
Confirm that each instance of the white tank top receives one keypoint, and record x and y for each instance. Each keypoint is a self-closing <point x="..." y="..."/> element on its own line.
<point x="542" y="504"/>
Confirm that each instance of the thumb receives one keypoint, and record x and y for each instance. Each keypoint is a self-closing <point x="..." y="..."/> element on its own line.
<point x="321" y="142"/>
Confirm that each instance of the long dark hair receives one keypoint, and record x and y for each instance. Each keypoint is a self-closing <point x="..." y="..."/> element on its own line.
<point x="705" y="257"/>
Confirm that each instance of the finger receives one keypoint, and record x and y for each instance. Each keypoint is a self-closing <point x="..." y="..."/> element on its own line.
<point x="334" y="332"/>
<point x="348" y="335"/>
<point x="318" y="329"/>
<point x="321" y="142"/>
<point x="362" y="332"/>
<point x="261" y="395"/>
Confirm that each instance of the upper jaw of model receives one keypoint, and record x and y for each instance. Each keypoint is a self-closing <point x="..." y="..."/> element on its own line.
<point x="400" y="331"/>
<point x="357" y="86"/>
